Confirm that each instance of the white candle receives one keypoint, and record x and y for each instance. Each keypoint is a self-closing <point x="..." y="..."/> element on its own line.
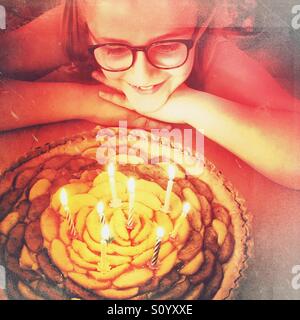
<point x="103" y="265"/>
<point x="65" y="204"/>
<point x="100" y="210"/>
<point x="185" y="210"/>
<point x="159" y="235"/>
<point x="131" y="191"/>
<point x="171" y="173"/>
<point x="111" y="173"/>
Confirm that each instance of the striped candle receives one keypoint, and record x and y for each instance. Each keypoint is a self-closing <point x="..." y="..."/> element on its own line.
<point x="64" y="202"/>
<point x="160" y="233"/>
<point x="100" y="210"/>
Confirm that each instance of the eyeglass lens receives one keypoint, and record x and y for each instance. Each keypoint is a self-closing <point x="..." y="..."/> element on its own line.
<point x="161" y="55"/>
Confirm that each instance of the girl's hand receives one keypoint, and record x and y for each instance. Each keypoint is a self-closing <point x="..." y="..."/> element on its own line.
<point x="107" y="113"/>
<point x="111" y="90"/>
<point x="110" y="115"/>
<point x="173" y="111"/>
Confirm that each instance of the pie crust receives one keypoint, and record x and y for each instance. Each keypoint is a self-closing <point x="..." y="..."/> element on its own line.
<point x="87" y="144"/>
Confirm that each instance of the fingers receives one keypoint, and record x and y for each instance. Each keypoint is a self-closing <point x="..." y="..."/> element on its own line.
<point x="110" y="115"/>
<point x="114" y="96"/>
<point x="97" y="75"/>
<point x="109" y="92"/>
<point x="119" y="99"/>
<point x="148" y="124"/>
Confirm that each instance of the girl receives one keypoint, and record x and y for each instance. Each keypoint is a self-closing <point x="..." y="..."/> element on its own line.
<point x="157" y="59"/>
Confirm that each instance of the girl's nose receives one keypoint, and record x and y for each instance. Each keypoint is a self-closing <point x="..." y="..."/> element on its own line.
<point x="142" y="71"/>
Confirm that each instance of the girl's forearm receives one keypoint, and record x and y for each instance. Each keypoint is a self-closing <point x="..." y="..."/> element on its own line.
<point x="35" y="48"/>
<point x="267" y="139"/>
<point x="25" y="104"/>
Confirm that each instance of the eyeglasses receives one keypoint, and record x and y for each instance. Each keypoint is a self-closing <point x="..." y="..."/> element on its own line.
<point x="166" y="54"/>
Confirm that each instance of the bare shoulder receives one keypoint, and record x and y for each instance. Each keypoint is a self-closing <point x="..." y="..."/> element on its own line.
<point x="221" y="55"/>
<point x="36" y="46"/>
<point x="234" y="74"/>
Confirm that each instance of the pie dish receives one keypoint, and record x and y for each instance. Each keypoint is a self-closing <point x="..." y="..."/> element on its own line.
<point x="204" y="258"/>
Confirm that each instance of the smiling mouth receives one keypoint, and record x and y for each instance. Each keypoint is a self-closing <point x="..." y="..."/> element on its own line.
<point x="147" y="89"/>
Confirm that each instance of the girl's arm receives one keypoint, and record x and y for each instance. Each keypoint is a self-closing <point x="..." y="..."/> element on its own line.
<point x="265" y="136"/>
<point x="35" y="48"/>
<point x="25" y="104"/>
<point x="267" y="139"/>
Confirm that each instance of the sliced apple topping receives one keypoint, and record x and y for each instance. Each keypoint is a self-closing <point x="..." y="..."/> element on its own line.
<point x="133" y="278"/>
<point x="58" y="253"/>
<point x="88" y="282"/>
<point x="118" y="294"/>
<point x="49" y="224"/>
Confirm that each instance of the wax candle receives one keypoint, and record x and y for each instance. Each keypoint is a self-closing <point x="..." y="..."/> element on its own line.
<point x="159" y="235"/>
<point x="103" y="265"/>
<point x="100" y="210"/>
<point x="111" y="173"/>
<point x="131" y="192"/>
<point x="64" y="203"/>
<point x="171" y="173"/>
<point x="185" y="210"/>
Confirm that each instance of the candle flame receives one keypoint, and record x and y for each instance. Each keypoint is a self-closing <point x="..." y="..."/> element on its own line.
<point x="186" y="208"/>
<point x="171" y="172"/>
<point x="64" y="197"/>
<point x="131" y="185"/>
<point x="160" y="232"/>
<point x="111" y="169"/>
<point x="100" y="207"/>
<point x="105" y="233"/>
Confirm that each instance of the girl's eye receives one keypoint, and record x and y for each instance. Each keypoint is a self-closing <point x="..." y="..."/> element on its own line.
<point x="116" y="51"/>
<point x="168" y="47"/>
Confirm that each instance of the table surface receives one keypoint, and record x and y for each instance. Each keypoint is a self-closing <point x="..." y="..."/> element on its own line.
<point x="275" y="210"/>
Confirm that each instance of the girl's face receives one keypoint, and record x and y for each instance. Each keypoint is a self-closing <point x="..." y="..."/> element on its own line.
<point x="140" y="23"/>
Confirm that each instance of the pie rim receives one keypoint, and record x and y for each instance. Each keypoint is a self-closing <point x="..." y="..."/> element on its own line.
<point x="222" y="188"/>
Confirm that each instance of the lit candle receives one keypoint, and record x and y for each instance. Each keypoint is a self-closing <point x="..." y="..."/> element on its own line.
<point x="100" y="210"/>
<point x="103" y="265"/>
<point x="131" y="191"/>
<point x="171" y="173"/>
<point x="64" y="203"/>
<point x="159" y="233"/>
<point x="185" y="210"/>
<point x="111" y="173"/>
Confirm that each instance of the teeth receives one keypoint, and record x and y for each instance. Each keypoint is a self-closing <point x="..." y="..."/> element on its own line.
<point x="146" y="87"/>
